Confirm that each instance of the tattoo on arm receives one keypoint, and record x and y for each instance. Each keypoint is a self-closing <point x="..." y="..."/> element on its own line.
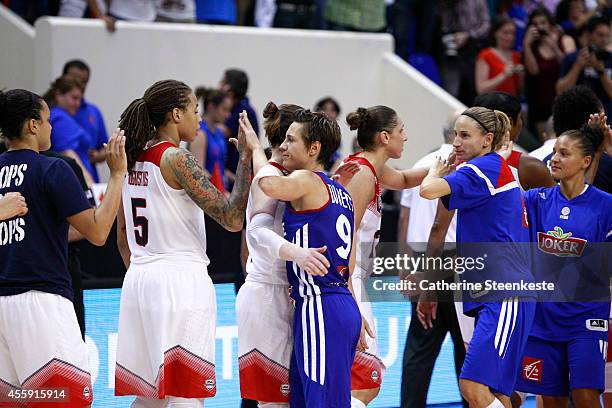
<point x="189" y="174"/>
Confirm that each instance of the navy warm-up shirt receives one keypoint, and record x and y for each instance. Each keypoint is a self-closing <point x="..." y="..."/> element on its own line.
<point x="34" y="248"/>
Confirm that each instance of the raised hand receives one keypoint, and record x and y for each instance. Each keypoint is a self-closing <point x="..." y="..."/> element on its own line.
<point x="115" y="153"/>
<point x="505" y="148"/>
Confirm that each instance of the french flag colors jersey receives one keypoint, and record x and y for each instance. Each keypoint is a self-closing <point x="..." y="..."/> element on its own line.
<point x="491" y="214"/>
<point x="330" y="225"/>
<point x="570" y="252"/>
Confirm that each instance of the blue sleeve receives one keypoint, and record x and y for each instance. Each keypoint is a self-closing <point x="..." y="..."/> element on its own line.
<point x="467" y="189"/>
<point x="253" y="119"/>
<point x="232" y="123"/>
<point x="64" y="190"/>
<point x="65" y="134"/>
<point x="566" y="65"/>
<point x="102" y="136"/>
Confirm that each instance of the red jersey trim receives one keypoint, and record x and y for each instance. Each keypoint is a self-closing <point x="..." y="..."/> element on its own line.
<point x="316" y="209"/>
<point x="280" y="167"/>
<point x="154" y="153"/>
<point x="514" y="159"/>
<point x="365" y="162"/>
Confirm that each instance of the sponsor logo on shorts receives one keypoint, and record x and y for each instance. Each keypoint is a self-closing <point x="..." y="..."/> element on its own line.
<point x="374" y="376"/>
<point x="86" y="393"/>
<point x="532" y="369"/>
<point x="209" y="384"/>
<point x="597" y="325"/>
<point x="284" y="389"/>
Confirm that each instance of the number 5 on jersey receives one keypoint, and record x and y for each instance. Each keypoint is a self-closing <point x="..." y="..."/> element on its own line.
<point x="142" y="235"/>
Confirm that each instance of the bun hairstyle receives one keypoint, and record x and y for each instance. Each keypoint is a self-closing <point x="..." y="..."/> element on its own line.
<point x="209" y="95"/>
<point x="490" y="121"/>
<point x="369" y="122"/>
<point x="277" y="120"/>
<point x="16" y="107"/>
<point x="141" y="119"/>
<point x="589" y="137"/>
<point x="317" y="127"/>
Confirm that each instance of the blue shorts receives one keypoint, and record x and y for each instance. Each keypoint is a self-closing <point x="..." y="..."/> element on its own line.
<point x="325" y="334"/>
<point x="500" y="333"/>
<point x="554" y="368"/>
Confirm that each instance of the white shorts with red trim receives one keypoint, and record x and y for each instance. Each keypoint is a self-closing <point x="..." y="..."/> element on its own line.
<point x="264" y="316"/>
<point x="41" y="347"/>
<point x="166" y="340"/>
<point x="368" y="369"/>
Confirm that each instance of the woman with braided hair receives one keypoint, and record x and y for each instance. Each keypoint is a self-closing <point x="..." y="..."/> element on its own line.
<point x="166" y="343"/>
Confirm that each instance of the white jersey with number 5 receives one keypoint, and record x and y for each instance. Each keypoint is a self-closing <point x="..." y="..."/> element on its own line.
<point x="161" y="222"/>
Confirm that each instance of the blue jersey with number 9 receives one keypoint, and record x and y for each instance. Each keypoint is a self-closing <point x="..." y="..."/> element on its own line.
<point x="331" y="226"/>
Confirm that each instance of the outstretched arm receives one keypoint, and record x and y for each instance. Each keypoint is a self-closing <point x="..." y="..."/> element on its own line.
<point x="228" y="212"/>
<point x="401" y="179"/>
<point x="434" y="186"/>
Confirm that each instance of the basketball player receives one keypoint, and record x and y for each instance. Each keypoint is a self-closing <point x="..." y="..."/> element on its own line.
<point x="528" y="171"/>
<point x="489" y="201"/>
<point x="165" y="346"/>
<point x="263" y="308"/>
<point x="567" y="347"/>
<point x="40" y="339"/>
<point x="380" y="133"/>
<point x="319" y="213"/>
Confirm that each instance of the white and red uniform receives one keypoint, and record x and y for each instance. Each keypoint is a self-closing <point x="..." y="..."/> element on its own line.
<point x="166" y="341"/>
<point x="264" y="314"/>
<point x="466" y="323"/>
<point x="368" y="368"/>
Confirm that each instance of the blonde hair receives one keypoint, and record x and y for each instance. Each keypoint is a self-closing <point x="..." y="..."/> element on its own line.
<point x="490" y="121"/>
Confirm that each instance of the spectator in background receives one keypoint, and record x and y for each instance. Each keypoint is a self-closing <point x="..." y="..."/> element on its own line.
<point x="176" y="11"/>
<point x="330" y="107"/>
<point x="413" y="18"/>
<point x="356" y="15"/>
<point x="296" y="14"/>
<point x="209" y="147"/>
<point x="591" y="65"/>
<point x="572" y="15"/>
<point x="235" y="83"/>
<point x="67" y="136"/>
<point x="30" y="10"/>
<point x="499" y="68"/>
<point x="132" y="10"/>
<point x="544" y="49"/>
<point x="465" y="25"/>
<point x="221" y="12"/>
<point x="89" y="116"/>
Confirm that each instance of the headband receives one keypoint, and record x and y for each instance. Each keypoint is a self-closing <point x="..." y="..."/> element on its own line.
<point x="469" y="115"/>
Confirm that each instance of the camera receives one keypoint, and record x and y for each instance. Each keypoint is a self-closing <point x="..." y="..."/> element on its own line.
<point x="450" y="45"/>
<point x="600" y="53"/>
<point x="542" y="32"/>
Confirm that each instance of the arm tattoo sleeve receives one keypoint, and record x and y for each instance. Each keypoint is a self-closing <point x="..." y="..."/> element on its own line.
<point x="229" y="213"/>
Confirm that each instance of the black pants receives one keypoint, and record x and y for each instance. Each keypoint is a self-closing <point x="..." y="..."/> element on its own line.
<point x="422" y="349"/>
